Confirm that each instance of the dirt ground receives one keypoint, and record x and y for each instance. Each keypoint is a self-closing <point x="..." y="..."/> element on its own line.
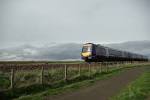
<point x="103" y="89"/>
<point x="148" y="98"/>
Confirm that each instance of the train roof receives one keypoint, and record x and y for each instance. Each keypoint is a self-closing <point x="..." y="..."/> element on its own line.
<point x="119" y="50"/>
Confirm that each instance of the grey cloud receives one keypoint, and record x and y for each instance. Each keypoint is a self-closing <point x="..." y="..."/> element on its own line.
<point x="28" y="21"/>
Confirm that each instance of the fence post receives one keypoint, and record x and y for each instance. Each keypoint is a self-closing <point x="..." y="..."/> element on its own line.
<point x="89" y="70"/>
<point x="79" y="70"/>
<point x="42" y="73"/>
<point x="107" y="66"/>
<point x="100" y="67"/>
<point x="12" y="78"/>
<point x="65" y="73"/>
<point x="118" y="65"/>
<point x="97" y="68"/>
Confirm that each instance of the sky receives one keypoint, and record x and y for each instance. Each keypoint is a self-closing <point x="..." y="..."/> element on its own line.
<point x="79" y="21"/>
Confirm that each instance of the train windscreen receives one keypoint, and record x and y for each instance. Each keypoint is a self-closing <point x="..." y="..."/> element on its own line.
<point x="86" y="49"/>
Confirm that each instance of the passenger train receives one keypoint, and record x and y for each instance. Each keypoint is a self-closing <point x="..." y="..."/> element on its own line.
<point x="98" y="53"/>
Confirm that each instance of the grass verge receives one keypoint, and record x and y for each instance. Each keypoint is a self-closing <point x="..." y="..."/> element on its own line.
<point x="137" y="90"/>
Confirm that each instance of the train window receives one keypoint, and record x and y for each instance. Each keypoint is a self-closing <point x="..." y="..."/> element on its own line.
<point x="86" y="48"/>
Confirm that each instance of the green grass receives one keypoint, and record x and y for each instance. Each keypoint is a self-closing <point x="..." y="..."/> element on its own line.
<point x="137" y="90"/>
<point x="4" y="81"/>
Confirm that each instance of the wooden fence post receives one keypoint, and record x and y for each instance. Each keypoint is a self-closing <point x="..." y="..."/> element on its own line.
<point x="100" y="67"/>
<point x="42" y="73"/>
<point x="79" y="70"/>
<point x="65" y="73"/>
<point x="89" y="70"/>
<point x="97" y="68"/>
<point x="12" y="79"/>
<point x="118" y="65"/>
<point x="107" y="66"/>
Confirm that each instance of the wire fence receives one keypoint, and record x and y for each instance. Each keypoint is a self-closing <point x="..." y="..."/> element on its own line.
<point x="22" y="75"/>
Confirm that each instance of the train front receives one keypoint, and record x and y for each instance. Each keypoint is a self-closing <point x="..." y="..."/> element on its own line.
<point x="86" y="53"/>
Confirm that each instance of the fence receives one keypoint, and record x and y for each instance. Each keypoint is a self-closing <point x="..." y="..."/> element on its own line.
<point x="21" y="75"/>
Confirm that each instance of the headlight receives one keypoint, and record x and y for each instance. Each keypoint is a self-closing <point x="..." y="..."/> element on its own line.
<point x="86" y="54"/>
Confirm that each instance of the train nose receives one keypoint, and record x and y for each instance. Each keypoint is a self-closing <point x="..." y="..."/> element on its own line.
<point x="86" y="54"/>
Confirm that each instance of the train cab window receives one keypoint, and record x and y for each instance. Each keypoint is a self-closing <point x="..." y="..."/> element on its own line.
<point x="86" y="49"/>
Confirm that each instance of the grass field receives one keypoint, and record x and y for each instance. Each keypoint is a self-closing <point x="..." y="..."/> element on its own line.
<point x="137" y="90"/>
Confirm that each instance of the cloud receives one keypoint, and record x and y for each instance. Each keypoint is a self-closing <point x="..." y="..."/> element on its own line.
<point x="28" y="21"/>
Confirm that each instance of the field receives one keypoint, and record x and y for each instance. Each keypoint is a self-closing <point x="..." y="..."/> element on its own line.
<point x="25" y="78"/>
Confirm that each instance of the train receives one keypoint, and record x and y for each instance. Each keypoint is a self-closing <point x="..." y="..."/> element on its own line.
<point x="97" y="53"/>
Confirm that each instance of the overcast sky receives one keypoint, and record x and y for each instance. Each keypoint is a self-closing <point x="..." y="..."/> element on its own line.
<point x="101" y="21"/>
